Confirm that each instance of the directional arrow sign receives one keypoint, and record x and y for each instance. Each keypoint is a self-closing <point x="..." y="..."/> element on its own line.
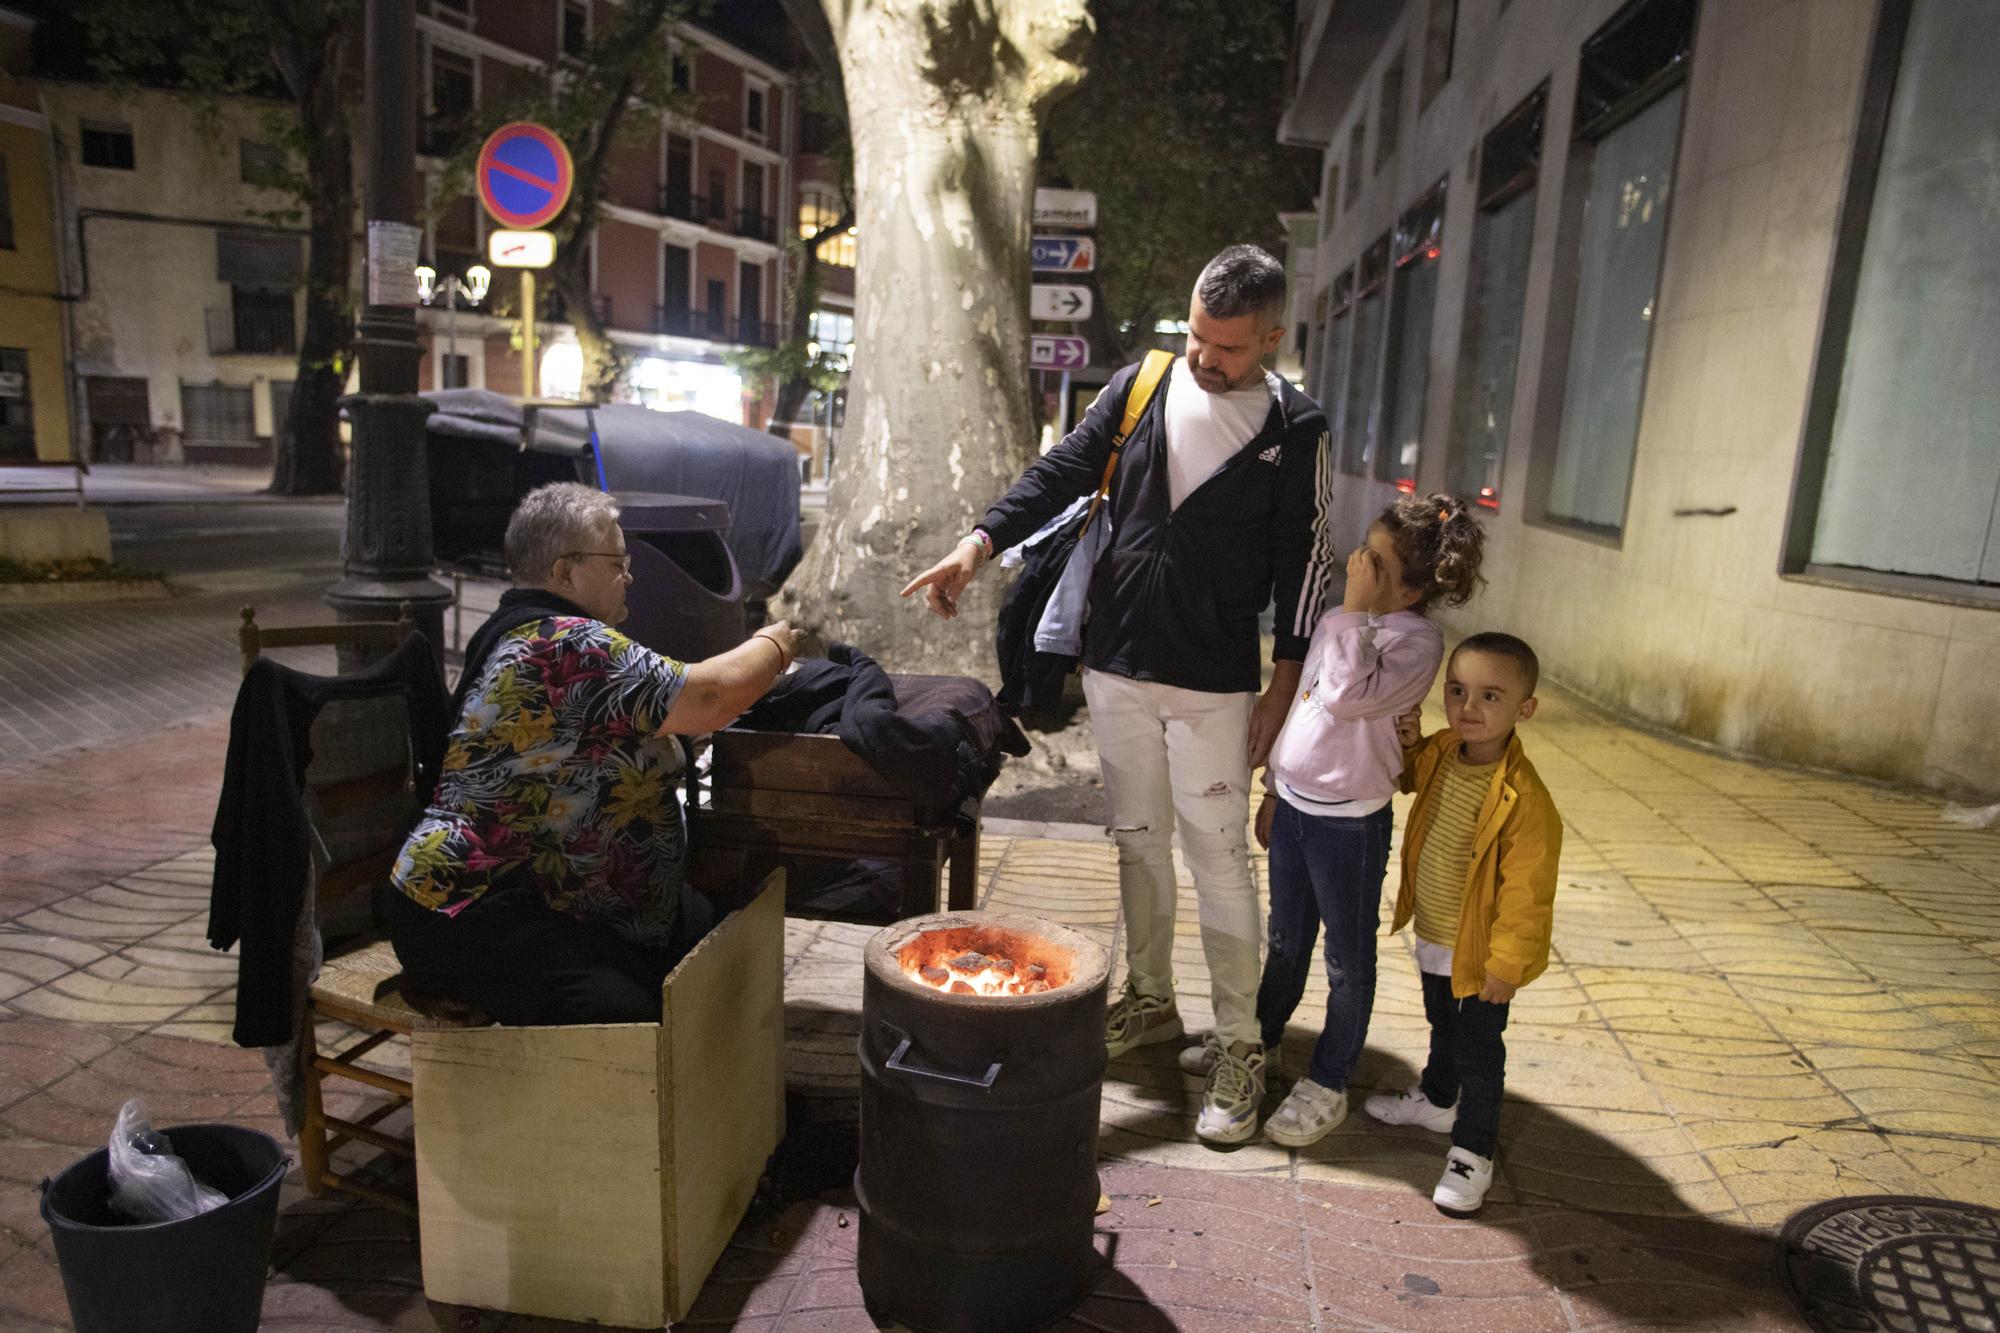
<point x="1065" y="208"/>
<point x="1060" y="301"/>
<point x="1049" y="351"/>
<point x="1063" y="254"/>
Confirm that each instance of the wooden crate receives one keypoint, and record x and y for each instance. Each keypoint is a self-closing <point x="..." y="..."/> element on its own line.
<point x="596" y="1172"/>
<point x="771" y="796"/>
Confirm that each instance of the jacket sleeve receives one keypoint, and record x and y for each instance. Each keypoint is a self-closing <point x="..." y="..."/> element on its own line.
<point x="1360" y="679"/>
<point x="1302" y="551"/>
<point x="1524" y="910"/>
<point x="1071" y="469"/>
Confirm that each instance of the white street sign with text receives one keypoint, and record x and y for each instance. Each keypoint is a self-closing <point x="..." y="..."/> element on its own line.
<point x="1065" y="208"/>
<point x="1059" y="300"/>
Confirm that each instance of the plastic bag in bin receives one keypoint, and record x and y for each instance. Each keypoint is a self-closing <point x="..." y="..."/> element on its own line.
<point x="149" y="1183"/>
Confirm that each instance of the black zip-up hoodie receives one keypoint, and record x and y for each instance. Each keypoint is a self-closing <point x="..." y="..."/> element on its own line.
<point x="1176" y="596"/>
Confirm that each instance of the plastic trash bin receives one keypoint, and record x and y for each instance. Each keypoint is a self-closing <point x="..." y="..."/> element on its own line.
<point x="686" y="598"/>
<point x="201" y="1275"/>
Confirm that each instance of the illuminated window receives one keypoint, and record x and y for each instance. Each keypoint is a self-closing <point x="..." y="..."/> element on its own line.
<point x="817" y="212"/>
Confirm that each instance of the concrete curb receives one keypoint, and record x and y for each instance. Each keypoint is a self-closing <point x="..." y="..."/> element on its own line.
<point x="57" y="591"/>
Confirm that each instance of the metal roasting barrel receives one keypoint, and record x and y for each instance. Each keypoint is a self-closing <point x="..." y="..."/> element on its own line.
<point x="978" y="1177"/>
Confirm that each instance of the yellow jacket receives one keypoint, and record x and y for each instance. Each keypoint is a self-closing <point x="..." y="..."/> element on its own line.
<point x="1510" y="887"/>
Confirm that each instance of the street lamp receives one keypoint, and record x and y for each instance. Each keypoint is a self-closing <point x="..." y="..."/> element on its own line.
<point x="478" y="280"/>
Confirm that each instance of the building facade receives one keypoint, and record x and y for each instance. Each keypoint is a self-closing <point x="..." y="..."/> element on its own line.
<point x="183" y="269"/>
<point x="686" y="262"/>
<point x="34" y="379"/>
<point x="1695" y="299"/>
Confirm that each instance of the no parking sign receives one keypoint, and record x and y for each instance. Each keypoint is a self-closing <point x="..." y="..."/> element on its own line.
<point x="524" y="175"/>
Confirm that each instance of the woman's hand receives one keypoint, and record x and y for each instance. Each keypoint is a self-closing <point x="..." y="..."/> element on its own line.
<point x="789" y="640"/>
<point x="1267" y="814"/>
<point x="719" y="688"/>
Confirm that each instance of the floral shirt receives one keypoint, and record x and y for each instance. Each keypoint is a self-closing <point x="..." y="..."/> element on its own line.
<point x="555" y="783"/>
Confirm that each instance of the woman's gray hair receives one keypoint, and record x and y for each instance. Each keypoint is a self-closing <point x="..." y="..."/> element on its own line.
<point x="553" y="521"/>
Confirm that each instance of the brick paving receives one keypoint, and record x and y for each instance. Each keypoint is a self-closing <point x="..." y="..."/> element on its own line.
<point x="1770" y="988"/>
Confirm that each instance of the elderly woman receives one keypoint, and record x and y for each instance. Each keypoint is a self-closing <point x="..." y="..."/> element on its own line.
<point x="544" y="883"/>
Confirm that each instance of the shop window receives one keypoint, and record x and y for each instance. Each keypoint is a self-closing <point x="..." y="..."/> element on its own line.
<point x="1418" y="242"/>
<point x="1490" y="343"/>
<point x="1440" y="31"/>
<point x="1389" y="116"/>
<point x="1358" y="415"/>
<point x="1630" y="90"/>
<point x="1900" y="474"/>
<point x="108" y="146"/>
<point x="1339" y="345"/>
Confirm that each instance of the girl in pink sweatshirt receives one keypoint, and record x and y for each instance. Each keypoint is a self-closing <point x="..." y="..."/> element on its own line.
<point x="1325" y="816"/>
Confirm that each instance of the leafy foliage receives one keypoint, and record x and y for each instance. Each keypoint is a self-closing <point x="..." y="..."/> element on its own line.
<point x="1175" y="128"/>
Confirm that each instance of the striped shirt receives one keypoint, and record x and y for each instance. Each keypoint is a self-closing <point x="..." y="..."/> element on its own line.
<point x="1446" y="856"/>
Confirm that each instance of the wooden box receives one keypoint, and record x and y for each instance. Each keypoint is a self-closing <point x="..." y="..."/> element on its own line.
<point x="595" y="1173"/>
<point x="771" y="796"/>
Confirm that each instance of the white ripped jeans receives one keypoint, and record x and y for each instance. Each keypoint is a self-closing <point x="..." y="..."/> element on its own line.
<point x="1173" y="754"/>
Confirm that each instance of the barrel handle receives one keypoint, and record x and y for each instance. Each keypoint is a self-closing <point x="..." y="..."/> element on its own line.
<point x="899" y="1061"/>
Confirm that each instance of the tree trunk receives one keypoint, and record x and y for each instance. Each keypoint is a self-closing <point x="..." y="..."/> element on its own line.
<point x="944" y="101"/>
<point x="603" y="363"/>
<point x="804" y="295"/>
<point x="308" y="449"/>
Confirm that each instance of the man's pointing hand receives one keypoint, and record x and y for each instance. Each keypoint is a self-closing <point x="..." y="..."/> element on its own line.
<point x="944" y="581"/>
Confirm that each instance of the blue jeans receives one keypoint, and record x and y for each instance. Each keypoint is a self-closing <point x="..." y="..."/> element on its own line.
<point x="1324" y="870"/>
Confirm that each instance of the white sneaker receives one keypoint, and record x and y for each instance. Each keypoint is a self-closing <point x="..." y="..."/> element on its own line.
<point x="1411" y="1107"/>
<point x="1140" y="1020"/>
<point x="1199" y="1058"/>
<point x="1308" y="1114"/>
<point x="1235" y="1091"/>
<point x="1461" y="1190"/>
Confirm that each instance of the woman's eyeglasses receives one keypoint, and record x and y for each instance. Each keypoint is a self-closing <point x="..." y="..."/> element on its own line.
<point x="624" y="560"/>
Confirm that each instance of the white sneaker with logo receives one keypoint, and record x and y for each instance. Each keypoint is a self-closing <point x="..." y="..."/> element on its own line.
<point x="1235" y="1091"/>
<point x="1140" y="1020"/>
<point x="1461" y="1190"/>
<point x="1411" y="1107"/>
<point x="1308" y="1114"/>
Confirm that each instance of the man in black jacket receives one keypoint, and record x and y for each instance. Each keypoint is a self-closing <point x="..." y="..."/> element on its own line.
<point x="1219" y="498"/>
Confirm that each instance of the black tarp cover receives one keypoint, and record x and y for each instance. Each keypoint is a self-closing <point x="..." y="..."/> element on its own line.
<point x="676" y="453"/>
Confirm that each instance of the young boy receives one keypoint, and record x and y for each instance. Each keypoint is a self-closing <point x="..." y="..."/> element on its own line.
<point x="1479" y="877"/>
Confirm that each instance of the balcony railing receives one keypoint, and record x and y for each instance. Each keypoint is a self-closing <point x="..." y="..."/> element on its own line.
<point x="250" y="329"/>
<point x="758" y="226"/>
<point x="713" y="324"/>
<point x="555" y="310"/>
<point x="678" y="203"/>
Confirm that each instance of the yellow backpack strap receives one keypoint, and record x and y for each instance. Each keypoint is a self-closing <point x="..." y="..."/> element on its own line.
<point x="1151" y="371"/>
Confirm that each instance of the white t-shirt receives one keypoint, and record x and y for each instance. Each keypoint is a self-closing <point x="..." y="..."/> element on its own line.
<point x="1206" y="430"/>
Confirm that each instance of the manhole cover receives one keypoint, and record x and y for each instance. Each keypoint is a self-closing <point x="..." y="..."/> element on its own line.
<point x="1893" y="1262"/>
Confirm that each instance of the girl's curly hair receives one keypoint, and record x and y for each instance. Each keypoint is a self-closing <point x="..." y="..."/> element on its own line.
<point x="1440" y="544"/>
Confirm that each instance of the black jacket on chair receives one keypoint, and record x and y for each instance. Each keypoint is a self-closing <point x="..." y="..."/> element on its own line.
<point x="262" y="838"/>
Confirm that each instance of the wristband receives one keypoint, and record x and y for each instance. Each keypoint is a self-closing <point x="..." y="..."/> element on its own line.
<point x="979" y="538"/>
<point x="784" y="658"/>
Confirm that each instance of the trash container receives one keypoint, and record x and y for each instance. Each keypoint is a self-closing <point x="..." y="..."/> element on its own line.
<point x="201" y="1275"/>
<point x="686" y="598"/>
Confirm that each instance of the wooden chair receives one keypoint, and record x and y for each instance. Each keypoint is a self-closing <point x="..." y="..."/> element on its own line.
<point x="362" y="803"/>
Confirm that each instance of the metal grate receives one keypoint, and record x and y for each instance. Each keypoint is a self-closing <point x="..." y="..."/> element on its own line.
<point x="1893" y="1262"/>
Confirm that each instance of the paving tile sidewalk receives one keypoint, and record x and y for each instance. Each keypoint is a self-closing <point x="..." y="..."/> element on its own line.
<point x="1770" y="988"/>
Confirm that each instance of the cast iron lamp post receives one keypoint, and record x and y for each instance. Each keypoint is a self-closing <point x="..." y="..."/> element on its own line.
<point x="386" y="554"/>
